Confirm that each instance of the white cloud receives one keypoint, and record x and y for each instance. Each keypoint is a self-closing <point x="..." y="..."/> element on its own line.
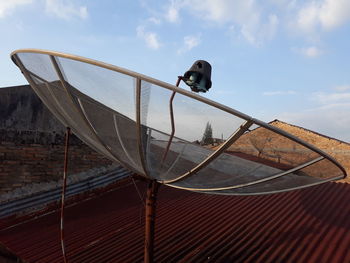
<point x="256" y="33"/>
<point x="246" y="15"/>
<point x="334" y="122"/>
<point x="271" y="26"/>
<point x="324" y="14"/>
<point x="330" y="115"/>
<point x="334" y="106"/>
<point x="257" y="23"/>
<point x="65" y="9"/>
<point x="8" y="6"/>
<point x="279" y="92"/>
<point x="279" y="2"/>
<point x="150" y="38"/>
<point x="342" y="88"/>
<point x="330" y="98"/>
<point x="311" y="52"/>
<point x="190" y="42"/>
<point x="307" y="17"/>
<point x="225" y="92"/>
<point x="172" y="14"/>
<point x="155" y="20"/>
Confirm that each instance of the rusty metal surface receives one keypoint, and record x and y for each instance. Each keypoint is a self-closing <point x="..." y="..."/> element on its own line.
<point x="310" y="225"/>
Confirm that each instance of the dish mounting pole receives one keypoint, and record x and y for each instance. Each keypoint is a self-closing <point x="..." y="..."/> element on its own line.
<point x="152" y="191"/>
<point x="150" y="216"/>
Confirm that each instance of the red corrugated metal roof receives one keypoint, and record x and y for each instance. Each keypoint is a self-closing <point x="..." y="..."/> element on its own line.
<point x="310" y="225"/>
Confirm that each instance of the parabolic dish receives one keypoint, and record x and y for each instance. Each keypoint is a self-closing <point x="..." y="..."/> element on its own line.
<point x="126" y="117"/>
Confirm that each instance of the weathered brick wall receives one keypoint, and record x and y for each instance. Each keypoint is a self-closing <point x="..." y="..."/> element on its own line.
<point x="31" y="161"/>
<point x="32" y="142"/>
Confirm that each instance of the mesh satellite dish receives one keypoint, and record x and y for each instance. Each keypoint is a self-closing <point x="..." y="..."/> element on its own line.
<point x="105" y="107"/>
<point x="139" y="122"/>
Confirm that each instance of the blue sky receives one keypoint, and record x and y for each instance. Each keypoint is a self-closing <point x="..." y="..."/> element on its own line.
<point x="271" y="59"/>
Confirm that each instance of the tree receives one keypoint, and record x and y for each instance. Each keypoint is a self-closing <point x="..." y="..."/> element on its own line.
<point x="207" y="135"/>
<point x="259" y="143"/>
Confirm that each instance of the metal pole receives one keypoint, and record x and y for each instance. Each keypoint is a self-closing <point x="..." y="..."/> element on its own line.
<point x="64" y="183"/>
<point x="152" y="191"/>
<point x="172" y="120"/>
<point x="150" y="216"/>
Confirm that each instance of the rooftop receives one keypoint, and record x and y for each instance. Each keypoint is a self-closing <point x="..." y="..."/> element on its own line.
<point x="309" y="225"/>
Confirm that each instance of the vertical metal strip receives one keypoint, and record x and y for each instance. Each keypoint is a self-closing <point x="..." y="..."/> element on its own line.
<point x="172" y="120"/>
<point x="148" y="147"/>
<point x="33" y="84"/>
<point x="139" y="127"/>
<point x="64" y="184"/>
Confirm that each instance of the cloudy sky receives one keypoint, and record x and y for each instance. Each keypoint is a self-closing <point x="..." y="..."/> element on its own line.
<point x="271" y="59"/>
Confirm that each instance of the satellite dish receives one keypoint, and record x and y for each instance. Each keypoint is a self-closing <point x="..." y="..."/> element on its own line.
<point x="128" y="118"/>
<point x="170" y="135"/>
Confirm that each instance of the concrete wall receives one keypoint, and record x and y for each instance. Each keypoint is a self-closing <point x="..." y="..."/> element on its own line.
<point x="22" y="110"/>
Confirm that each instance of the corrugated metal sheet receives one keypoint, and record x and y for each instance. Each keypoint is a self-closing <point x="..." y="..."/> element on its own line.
<point x="310" y="225"/>
<point x="41" y="199"/>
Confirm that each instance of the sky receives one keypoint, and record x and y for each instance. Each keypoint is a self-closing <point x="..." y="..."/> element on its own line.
<point x="273" y="59"/>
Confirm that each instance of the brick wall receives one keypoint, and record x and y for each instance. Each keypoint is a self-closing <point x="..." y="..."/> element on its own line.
<point x="32" y="142"/>
<point x="39" y="158"/>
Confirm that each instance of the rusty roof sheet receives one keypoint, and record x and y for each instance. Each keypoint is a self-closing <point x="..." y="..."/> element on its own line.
<point x="310" y="225"/>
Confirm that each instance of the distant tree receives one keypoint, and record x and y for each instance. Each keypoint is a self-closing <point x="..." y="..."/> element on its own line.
<point x="259" y="143"/>
<point x="207" y="135"/>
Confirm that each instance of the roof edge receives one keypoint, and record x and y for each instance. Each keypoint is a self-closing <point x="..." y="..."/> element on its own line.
<point x="305" y="129"/>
